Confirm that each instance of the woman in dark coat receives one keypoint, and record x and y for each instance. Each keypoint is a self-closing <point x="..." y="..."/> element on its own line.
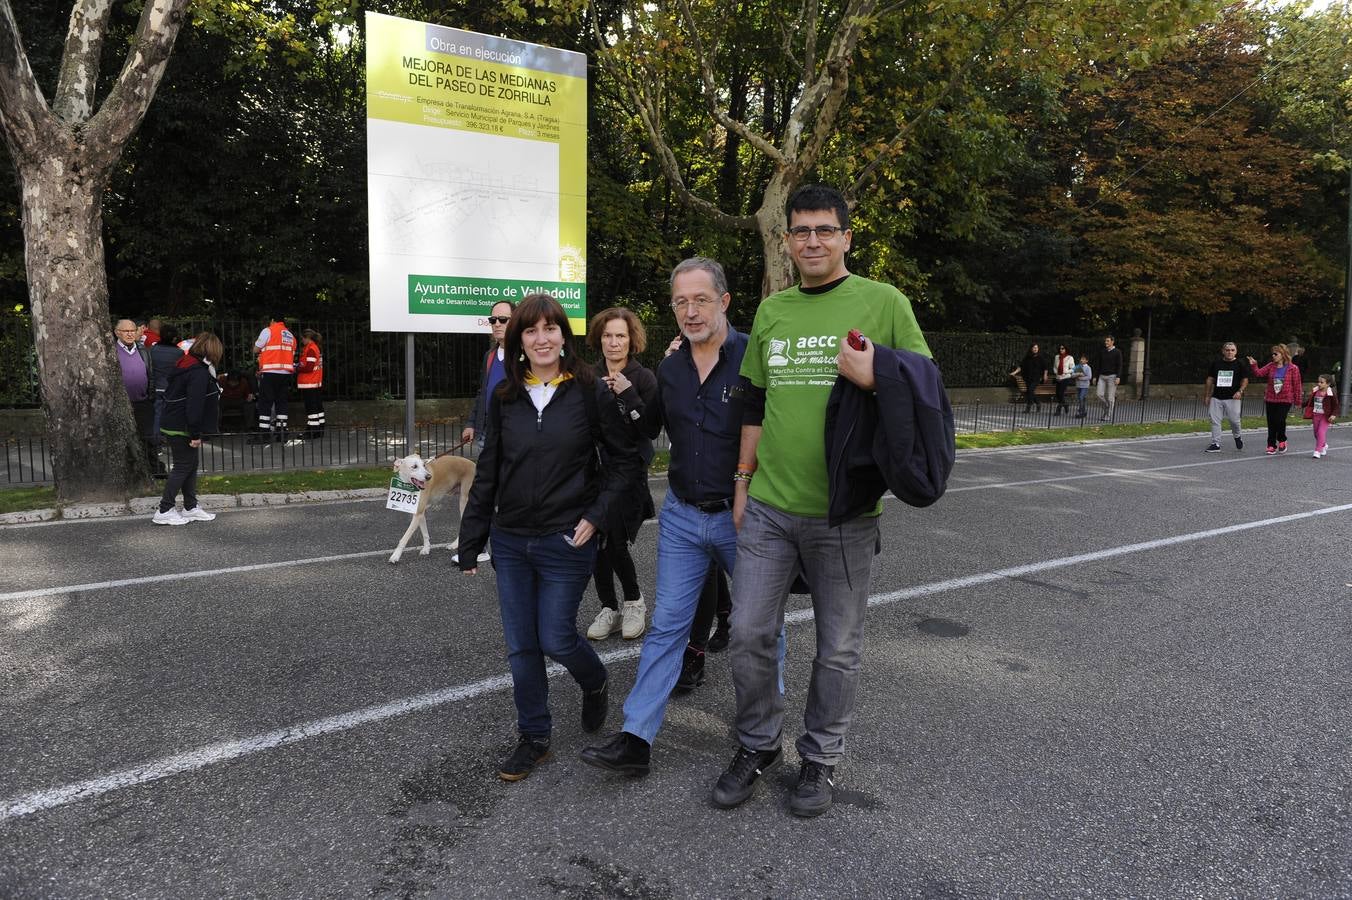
<point x="191" y="403"/>
<point x="618" y="335"/>
<point x="541" y="494"/>
<point x="1034" y="372"/>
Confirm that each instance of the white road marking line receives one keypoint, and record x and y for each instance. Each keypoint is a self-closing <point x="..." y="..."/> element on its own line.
<point x="224" y="751"/>
<point x="1106" y="473"/>
<point x="199" y="573"/>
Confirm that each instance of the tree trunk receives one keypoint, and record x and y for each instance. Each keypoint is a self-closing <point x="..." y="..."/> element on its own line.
<point x="770" y="224"/>
<point x="96" y="452"/>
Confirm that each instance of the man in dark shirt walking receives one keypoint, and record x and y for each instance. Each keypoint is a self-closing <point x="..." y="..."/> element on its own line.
<point x="1108" y="373"/>
<point x="1225" y="383"/>
<point x="700" y="401"/>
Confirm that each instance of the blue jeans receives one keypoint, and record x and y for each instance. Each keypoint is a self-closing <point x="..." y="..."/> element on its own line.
<point x="540" y="585"/>
<point x="687" y="540"/>
<point x="771" y="548"/>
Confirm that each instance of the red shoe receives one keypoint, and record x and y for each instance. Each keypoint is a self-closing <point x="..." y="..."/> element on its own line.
<point x="1281" y="446"/>
<point x="1271" y="451"/>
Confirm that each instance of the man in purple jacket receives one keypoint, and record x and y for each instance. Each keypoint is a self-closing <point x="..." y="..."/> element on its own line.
<point x="134" y="361"/>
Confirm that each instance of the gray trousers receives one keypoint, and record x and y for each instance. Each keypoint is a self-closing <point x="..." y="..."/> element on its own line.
<point x="1107" y="392"/>
<point x="772" y="547"/>
<point x="1228" y="409"/>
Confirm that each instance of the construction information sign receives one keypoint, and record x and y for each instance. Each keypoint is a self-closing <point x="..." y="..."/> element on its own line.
<point x="477" y="175"/>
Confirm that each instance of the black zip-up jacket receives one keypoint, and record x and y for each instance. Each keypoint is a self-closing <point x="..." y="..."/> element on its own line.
<point x="539" y="473"/>
<point x="192" y="400"/>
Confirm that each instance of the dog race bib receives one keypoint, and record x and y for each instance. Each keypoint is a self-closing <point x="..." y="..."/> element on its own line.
<point x="403" y="496"/>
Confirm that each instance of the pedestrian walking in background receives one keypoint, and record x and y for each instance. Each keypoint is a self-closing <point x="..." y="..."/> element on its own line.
<point x="1063" y="370"/>
<point x="1108" y="373"/>
<point x="190" y="411"/>
<point x="1084" y="374"/>
<point x="1284" y="390"/>
<point x="1033" y="368"/>
<point x="492" y="368"/>
<point x="540" y="494"/>
<point x="618" y="335"/>
<point x="1322" y="408"/>
<point x="1224" y="394"/>
<point x="310" y="382"/>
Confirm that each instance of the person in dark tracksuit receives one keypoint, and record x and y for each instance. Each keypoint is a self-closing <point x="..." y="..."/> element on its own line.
<point x="190" y="410"/>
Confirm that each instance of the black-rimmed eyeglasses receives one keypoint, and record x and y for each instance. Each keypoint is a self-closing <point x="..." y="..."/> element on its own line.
<point x="823" y="232"/>
<point x="499" y="320"/>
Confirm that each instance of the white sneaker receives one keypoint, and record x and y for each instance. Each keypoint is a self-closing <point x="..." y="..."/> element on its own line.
<point x="483" y="557"/>
<point x="607" y="623"/>
<point x="1315" y="454"/>
<point x="635" y="618"/>
<point x="171" y="517"/>
<point x="197" y="514"/>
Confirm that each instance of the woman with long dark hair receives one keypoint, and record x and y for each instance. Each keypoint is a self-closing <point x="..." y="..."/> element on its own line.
<point x="540" y="494"/>
<point x="190" y="411"/>
<point x="1033" y="368"/>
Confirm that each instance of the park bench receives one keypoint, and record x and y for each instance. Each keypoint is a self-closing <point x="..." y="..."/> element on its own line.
<point x="1044" y="392"/>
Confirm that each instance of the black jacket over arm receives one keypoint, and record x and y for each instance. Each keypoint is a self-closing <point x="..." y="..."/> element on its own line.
<point x="540" y="473"/>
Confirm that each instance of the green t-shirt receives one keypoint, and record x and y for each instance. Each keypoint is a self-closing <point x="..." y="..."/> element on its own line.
<point x="792" y="355"/>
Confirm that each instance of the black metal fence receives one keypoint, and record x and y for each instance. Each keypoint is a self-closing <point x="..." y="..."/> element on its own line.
<point x="363" y="365"/>
<point x="26" y="460"/>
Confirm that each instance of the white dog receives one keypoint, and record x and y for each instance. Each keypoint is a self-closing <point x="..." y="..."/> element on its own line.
<point x="435" y="479"/>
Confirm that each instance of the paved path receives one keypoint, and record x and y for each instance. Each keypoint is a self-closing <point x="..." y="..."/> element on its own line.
<point x="1113" y="669"/>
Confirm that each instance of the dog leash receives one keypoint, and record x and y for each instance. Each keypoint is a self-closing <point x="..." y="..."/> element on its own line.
<point x="453" y="449"/>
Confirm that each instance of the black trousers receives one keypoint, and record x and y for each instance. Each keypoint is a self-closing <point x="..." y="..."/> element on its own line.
<point x="143" y="411"/>
<point x="183" y="475"/>
<point x="1030" y="389"/>
<point x="1276" y="421"/>
<point x="314" y="410"/>
<point x="1061" y="385"/>
<point x="273" y="388"/>
<point x="613" y="562"/>
<point x="714" y="600"/>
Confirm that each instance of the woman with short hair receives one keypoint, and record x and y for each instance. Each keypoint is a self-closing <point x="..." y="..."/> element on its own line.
<point x="190" y="411"/>
<point x="540" y="494"/>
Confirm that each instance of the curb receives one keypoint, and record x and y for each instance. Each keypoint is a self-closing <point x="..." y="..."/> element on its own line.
<point x="144" y="506"/>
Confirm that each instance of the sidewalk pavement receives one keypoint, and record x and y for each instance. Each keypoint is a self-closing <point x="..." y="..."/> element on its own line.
<point x="146" y="506"/>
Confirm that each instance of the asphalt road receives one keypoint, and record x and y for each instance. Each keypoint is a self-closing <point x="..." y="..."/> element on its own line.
<point x="1099" y="670"/>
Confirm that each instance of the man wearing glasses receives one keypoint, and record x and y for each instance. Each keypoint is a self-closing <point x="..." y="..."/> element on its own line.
<point x="498" y="317"/>
<point x="798" y="346"/>
<point x="138" y="379"/>
<point x="700" y="392"/>
<point x="1225" y="384"/>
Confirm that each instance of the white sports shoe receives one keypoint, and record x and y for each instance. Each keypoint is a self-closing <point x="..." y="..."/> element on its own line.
<point x="608" y="621"/>
<point x="635" y="618"/>
<point x="483" y="557"/>
<point x="171" y="517"/>
<point x="197" y="514"/>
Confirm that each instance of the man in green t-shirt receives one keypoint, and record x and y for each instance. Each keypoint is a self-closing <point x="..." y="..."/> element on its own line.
<point x="797" y="349"/>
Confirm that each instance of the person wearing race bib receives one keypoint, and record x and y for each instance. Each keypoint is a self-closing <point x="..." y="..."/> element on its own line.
<point x="1322" y="409"/>
<point x="1225" y="383"/>
<point x="1284" y="390"/>
<point x="797" y="349"/>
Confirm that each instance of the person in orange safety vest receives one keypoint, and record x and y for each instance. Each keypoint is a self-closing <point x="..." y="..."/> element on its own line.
<point x="276" y="352"/>
<point x="310" y="382"/>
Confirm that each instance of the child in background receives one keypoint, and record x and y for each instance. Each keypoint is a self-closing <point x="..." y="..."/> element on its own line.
<point x="1322" y="408"/>
<point x="1083" y="375"/>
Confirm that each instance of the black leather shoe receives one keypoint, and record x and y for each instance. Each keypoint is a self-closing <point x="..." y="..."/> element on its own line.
<point x="523" y="759"/>
<point x="692" y="672"/>
<point x="719" y="642"/>
<point x="595" y="705"/>
<point x="815" y="791"/>
<point x="623" y="753"/>
<point x="736" y="784"/>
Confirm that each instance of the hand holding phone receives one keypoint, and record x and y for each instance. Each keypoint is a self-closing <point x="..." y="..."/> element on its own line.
<point x="856" y="340"/>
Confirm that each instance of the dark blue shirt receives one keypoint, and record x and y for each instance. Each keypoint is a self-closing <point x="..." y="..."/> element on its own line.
<point x="703" y="421"/>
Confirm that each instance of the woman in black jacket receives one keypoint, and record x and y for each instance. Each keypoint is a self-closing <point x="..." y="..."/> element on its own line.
<point x="1033" y="368"/>
<point x="617" y="334"/>
<point x="191" y="403"/>
<point x="540" y="493"/>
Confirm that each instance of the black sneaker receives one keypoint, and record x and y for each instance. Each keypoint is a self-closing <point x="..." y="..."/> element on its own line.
<point x="692" y="672"/>
<point x="595" y="705"/>
<point x="736" y="784"/>
<point x="719" y="642"/>
<point x="814" y="793"/>
<point x="523" y="759"/>
<point x="624" y="753"/>
<point x="1214" y="448"/>
<point x="1239" y="443"/>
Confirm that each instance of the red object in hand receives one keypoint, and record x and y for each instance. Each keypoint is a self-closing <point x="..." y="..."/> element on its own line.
<point x="856" y="339"/>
